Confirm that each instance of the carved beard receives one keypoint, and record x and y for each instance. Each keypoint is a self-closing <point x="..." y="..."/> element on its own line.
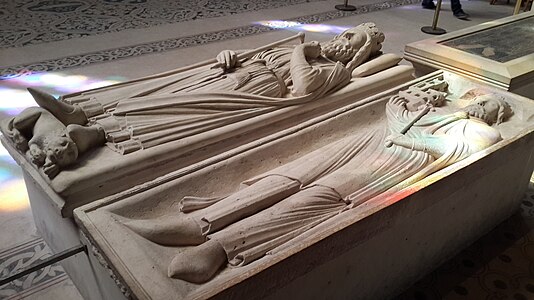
<point x="337" y="51"/>
<point x="478" y="111"/>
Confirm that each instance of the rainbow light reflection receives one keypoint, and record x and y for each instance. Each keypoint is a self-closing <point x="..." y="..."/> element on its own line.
<point x="13" y="99"/>
<point x="296" y="26"/>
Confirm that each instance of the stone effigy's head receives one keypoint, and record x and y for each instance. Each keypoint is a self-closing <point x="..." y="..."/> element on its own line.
<point x="345" y="46"/>
<point x="490" y="108"/>
<point x="61" y="150"/>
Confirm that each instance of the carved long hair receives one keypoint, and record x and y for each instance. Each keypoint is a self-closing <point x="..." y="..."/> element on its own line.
<point x="505" y="111"/>
<point x="371" y="47"/>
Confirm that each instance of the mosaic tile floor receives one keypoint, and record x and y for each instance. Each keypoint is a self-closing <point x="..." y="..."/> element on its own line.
<point x="26" y="22"/>
<point x="26" y="254"/>
<point x="168" y="44"/>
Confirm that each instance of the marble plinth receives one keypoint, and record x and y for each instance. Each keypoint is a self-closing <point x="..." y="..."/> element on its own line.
<point x="372" y="251"/>
<point x="498" y="53"/>
<point x="61" y="234"/>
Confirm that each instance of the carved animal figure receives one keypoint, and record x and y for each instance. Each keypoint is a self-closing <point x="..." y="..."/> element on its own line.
<point x="37" y="132"/>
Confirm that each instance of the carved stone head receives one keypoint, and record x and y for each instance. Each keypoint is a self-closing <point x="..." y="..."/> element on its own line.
<point x="490" y="108"/>
<point x="344" y="46"/>
<point x="61" y="150"/>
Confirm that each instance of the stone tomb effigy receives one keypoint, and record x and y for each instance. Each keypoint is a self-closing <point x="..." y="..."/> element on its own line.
<point x="165" y="122"/>
<point x="499" y="53"/>
<point x="356" y="203"/>
<point x="138" y="134"/>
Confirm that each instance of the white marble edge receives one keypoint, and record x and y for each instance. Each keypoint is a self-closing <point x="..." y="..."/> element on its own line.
<point x="432" y="53"/>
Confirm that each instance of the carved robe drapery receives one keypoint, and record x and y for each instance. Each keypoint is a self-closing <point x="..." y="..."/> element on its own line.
<point x="155" y="111"/>
<point x="344" y="173"/>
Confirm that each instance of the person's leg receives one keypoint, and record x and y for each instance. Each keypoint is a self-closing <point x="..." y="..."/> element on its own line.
<point x="428" y="4"/>
<point x="457" y="11"/>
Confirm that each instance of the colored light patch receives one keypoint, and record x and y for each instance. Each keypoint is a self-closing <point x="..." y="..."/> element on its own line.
<point x="14" y="100"/>
<point x="61" y="83"/>
<point x="278" y="24"/>
<point x="4" y="155"/>
<point x="29" y="80"/>
<point x="13" y="196"/>
<point x="64" y="83"/>
<point x="5" y="175"/>
<point x="296" y="26"/>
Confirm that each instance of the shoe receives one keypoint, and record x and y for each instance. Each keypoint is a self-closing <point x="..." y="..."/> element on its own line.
<point x="429" y="5"/>
<point x="461" y="15"/>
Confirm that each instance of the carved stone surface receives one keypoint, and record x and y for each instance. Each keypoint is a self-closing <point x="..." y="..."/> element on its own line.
<point x="261" y="207"/>
<point x="188" y="115"/>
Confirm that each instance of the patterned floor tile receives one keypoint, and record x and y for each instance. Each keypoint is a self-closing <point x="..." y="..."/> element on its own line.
<point x="183" y="42"/>
<point x="26" y="22"/>
<point x="22" y="256"/>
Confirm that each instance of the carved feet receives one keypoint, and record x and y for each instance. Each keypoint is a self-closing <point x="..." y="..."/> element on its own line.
<point x="176" y="230"/>
<point x="198" y="264"/>
<point x="66" y="113"/>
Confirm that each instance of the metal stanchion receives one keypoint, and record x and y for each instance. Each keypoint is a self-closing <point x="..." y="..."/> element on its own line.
<point x="345" y="6"/>
<point x="434" y="29"/>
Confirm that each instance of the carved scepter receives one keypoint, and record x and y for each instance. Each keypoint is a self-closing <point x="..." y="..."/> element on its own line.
<point x="250" y="53"/>
<point x="247" y="54"/>
<point x="422" y="113"/>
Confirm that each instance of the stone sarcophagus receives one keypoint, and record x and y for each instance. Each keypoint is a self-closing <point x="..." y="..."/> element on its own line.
<point x="121" y="139"/>
<point x="355" y="203"/>
<point x="113" y="138"/>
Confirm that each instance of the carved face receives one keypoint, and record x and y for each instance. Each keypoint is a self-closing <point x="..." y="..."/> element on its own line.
<point x="486" y="109"/>
<point x="62" y="151"/>
<point x="343" y="47"/>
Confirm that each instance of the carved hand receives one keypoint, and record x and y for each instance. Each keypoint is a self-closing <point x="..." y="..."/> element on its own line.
<point x="50" y="168"/>
<point x="228" y="59"/>
<point x="398" y="101"/>
<point x="461" y="115"/>
<point x="393" y="139"/>
<point x="311" y="49"/>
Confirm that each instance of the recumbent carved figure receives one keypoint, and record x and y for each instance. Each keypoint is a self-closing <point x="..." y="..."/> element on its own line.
<point x="158" y="110"/>
<point x="420" y="138"/>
